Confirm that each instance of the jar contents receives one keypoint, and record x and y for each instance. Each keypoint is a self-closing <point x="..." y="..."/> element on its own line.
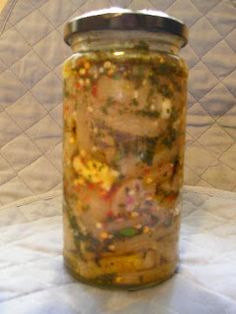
<point x="124" y="133"/>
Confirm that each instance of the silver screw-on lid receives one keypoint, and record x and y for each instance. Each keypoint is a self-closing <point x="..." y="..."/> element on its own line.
<point x="125" y="20"/>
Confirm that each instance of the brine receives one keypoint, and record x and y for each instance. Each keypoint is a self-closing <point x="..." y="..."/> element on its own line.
<point x="124" y="134"/>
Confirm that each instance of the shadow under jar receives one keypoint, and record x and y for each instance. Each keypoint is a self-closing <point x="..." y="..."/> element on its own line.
<point x="124" y="135"/>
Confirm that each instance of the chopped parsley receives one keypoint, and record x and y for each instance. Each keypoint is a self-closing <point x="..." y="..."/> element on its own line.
<point x="147" y="155"/>
<point x="108" y="104"/>
<point x="170" y="138"/>
<point x="148" y="113"/>
<point x="107" y="279"/>
<point x="134" y="102"/>
<point x="128" y="232"/>
<point x="142" y="45"/>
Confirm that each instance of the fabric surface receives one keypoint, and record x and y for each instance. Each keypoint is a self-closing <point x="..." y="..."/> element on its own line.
<point x="33" y="279"/>
<point x="31" y="55"/>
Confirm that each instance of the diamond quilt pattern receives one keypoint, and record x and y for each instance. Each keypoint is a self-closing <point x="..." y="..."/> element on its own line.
<point x="34" y="281"/>
<point x="31" y="55"/>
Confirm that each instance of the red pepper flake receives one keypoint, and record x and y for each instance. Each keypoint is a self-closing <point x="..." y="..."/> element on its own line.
<point x="94" y="90"/>
<point x="147" y="170"/>
<point x="91" y="186"/>
<point x="66" y="109"/>
<point x="107" y="195"/>
<point x="171" y="197"/>
<point x="76" y="188"/>
<point x="110" y="214"/>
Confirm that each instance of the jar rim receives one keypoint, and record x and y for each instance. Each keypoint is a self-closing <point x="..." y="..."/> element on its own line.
<point x="126" y="20"/>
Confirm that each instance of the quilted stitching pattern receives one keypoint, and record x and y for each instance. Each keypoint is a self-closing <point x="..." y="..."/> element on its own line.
<point x="33" y="279"/>
<point x="31" y="56"/>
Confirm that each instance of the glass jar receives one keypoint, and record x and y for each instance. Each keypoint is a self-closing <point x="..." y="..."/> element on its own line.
<point x="124" y="135"/>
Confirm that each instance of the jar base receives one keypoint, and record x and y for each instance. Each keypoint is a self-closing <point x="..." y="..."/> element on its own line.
<point x="164" y="275"/>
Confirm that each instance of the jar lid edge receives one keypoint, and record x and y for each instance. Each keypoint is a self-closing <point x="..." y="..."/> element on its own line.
<point x="125" y="20"/>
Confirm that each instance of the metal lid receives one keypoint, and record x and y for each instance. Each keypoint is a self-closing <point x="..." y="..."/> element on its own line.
<point x="125" y="20"/>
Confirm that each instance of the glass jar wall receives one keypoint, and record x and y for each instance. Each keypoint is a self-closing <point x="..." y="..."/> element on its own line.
<point x="124" y="134"/>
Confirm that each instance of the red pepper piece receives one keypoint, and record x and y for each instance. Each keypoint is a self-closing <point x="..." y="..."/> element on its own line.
<point x="147" y="170"/>
<point x="105" y="195"/>
<point x="171" y="197"/>
<point x="66" y="109"/>
<point x="110" y="214"/>
<point x="94" y="90"/>
<point x="91" y="186"/>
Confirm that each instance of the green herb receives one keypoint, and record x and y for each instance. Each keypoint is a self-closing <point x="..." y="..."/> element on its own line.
<point x="147" y="157"/>
<point x="124" y="149"/>
<point x="66" y="90"/>
<point x="117" y="76"/>
<point x="148" y="154"/>
<point x="77" y="234"/>
<point x="167" y="222"/>
<point x="85" y="207"/>
<point x="151" y="141"/>
<point x="159" y="194"/>
<point x="148" y="113"/>
<point x="137" y="75"/>
<point x="89" y="248"/>
<point x="134" y="102"/>
<point x="170" y="138"/>
<point x="166" y="91"/>
<point x="151" y="92"/>
<point x="155" y="220"/>
<point x="109" y="103"/>
<point x="92" y="244"/>
<point x="177" y="85"/>
<point x="128" y="232"/>
<point x="154" y="81"/>
<point x="104" y="110"/>
<point x="107" y="279"/>
<point x="66" y="93"/>
<point x="100" y="167"/>
<point x="174" y="114"/>
<point x="116" y="159"/>
<point x="176" y="163"/>
<point x="163" y="68"/>
<point x="169" y="67"/>
<point x="142" y="45"/>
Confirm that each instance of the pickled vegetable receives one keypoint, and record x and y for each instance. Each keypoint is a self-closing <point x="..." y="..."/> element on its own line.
<point x="124" y="133"/>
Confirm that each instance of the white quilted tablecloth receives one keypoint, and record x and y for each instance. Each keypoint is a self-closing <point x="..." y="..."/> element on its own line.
<point x="33" y="279"/>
